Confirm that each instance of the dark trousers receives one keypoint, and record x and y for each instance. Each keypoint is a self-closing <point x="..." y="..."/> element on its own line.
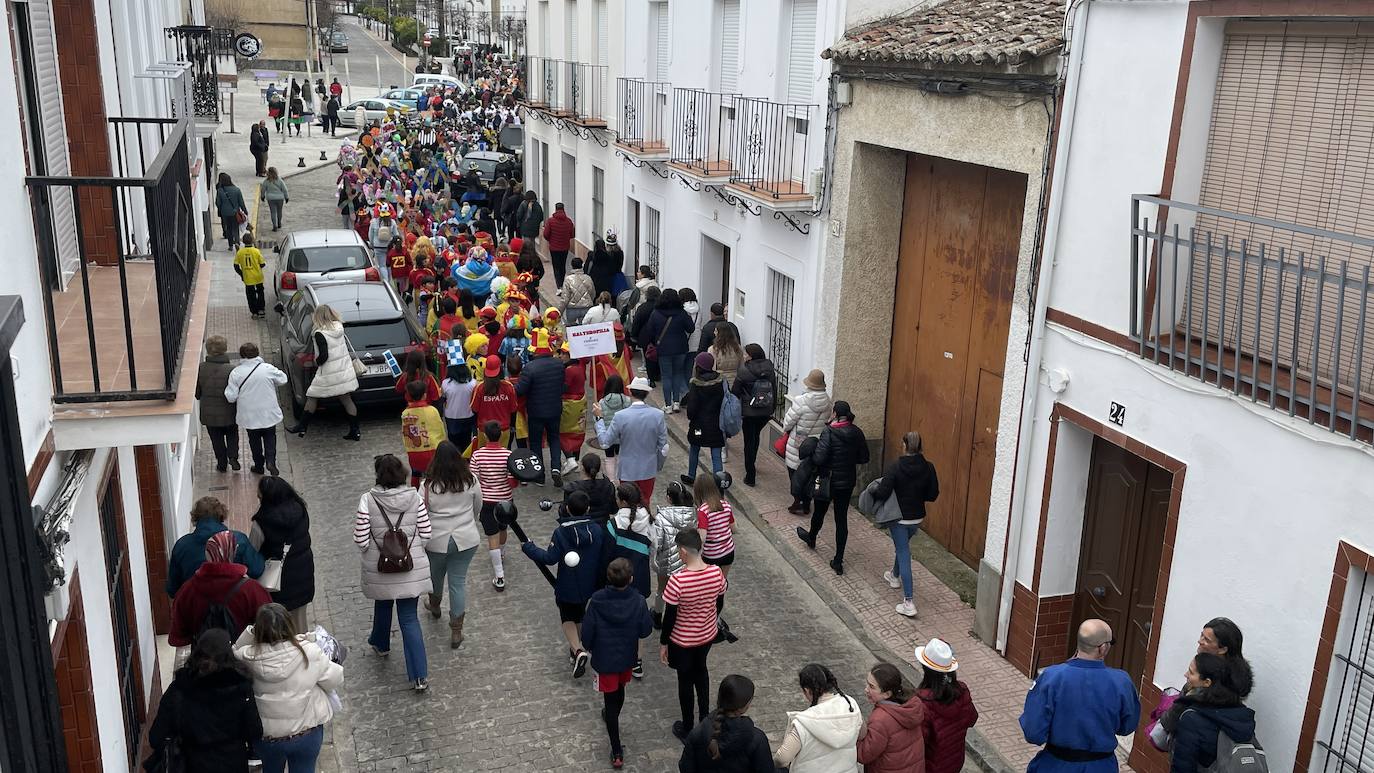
<point x="260" y="164"/>
<point x="256" y="301"/>
<point x="541" y="428"/>
<point x="614" y="702"/>
<point x="840" y="498"/>
<point x="460" y="431"/>
<point x="225" y="442"/>
<point x="753" y="428"/>
<point x="692" y="678"/>
<point x="263" y="444"/>
<point x="559" y="258"/>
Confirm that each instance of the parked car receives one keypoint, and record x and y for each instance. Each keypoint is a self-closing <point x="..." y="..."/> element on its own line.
<point x="376" y="109"/>
<point x="306" y="257"/>
<point x="338" y="43"/>
<point x="375" y="322"/>
<point x="409" y="96"/>
<point x="434" y="79"/>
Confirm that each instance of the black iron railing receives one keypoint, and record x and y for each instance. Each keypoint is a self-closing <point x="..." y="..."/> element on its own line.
<point x="587" y="89"/>
<point x="703" y="124"/>
<point x="201" y="46"/>
<point x="1277" y="312"/>
<point x="541" y="81"/>
<point x="772" y="147"/>
<point x="135" y="260"/>
<point x="642" y="110"/>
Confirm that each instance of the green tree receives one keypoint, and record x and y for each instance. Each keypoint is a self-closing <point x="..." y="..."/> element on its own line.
<point x="403" y="30"/>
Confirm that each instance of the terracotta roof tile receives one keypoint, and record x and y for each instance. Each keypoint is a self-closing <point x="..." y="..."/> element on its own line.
<point x="958" y="32"/>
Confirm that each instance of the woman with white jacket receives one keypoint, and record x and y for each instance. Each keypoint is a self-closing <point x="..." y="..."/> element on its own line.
<point x="292" y="680"/>
<point x="454" y="500"/>
<point x="334" y="374"/>
<point x="822" y="738"/>
<point x="393" y="503"/>
<point x="806" y="417"/>
<point x="603" y="311"/>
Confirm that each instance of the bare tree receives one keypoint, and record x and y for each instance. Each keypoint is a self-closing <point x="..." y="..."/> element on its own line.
<point x="227" y="14"/>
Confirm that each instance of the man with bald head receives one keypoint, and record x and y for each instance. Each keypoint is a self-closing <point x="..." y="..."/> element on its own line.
<point x="1077" y="709"/>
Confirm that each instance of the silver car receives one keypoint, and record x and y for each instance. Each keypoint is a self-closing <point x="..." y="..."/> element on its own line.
<point x="376" y="109"/>
<point x="305" y="257"/>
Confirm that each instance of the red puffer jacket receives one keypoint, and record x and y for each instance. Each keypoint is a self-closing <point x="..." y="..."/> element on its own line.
<point x="559" y="230"/>
<point x="946" y="727"/>
<point x="895" y="741"/>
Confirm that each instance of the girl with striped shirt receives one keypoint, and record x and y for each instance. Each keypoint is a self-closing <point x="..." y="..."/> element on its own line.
<point x="716" y="520"/>
<point x="692" y="598"/>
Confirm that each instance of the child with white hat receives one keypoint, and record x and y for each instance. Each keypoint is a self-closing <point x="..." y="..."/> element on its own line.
<point x="949" y="707"/>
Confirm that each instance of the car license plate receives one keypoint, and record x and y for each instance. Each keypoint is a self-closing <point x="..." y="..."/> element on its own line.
<point x="381" y="369"/>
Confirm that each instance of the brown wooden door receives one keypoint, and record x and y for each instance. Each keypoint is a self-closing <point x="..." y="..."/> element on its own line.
<point x="1123" y="537"/>
<point x="956" y="268"/>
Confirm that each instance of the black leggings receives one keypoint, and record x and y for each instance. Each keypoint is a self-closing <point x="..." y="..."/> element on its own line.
<point x="692" y="676"/>
<point x="753" y="427"/>
<point x="840" y="497"/>
<point x="615" y="701"/>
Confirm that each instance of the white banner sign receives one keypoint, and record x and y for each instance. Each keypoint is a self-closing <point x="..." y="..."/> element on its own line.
<point x="591" y="340"/>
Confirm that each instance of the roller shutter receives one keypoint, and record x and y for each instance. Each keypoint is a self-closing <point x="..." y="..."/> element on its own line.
<point x="801" y="52"/>
<point x="729" y="46"/>
<point x="54" y="129"/>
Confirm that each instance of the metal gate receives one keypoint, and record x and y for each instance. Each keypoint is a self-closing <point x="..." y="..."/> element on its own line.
<point x="781" y="289"/>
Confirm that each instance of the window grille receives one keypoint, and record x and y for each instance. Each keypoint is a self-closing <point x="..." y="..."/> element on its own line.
<point x="1348" y="746"/>
<point x="781" y="289"/>
<point x="121" y="615"/>
<point x="651" y="240"/>
<point x="598" y="203"/>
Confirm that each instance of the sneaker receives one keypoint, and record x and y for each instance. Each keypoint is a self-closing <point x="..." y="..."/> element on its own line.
<point x="687" y="480"/>
<point x="381" y="653"/>
<point x="421" y="684"/>
<point x="499" y="583"/>
<point x="805" y="536"/>
<point x="569" y="466"/>
<point x="667" y="409"/>
<point x="892" y="582"/>
<point x="558" y="479"/>
<point x="906" y="608"/>
<point x="638" y="671"/>
<point x="580" y="663"/>
<point x="680" y="731"/>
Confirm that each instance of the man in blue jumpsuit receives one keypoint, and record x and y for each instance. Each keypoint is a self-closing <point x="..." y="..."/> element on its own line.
<point x="1077" y="709"/>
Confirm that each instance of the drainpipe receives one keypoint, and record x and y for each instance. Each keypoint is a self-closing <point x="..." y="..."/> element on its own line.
<point x="1011" y="561"/>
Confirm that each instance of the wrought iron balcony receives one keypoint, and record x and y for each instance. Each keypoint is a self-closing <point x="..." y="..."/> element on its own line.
<point x="704" y="123"/>
<point x="771" y="149"/>
<point x="1276" y="312"/>
<point x="643" y="112"/>
<point x="586" y="86"/>
<point x="541" y="81"/>
<point x="118" y="256"/>
<point x="201" y="47"/>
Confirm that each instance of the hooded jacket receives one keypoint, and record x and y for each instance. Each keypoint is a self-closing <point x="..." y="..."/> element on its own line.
<point x="287" y="523"/>
<point x="528" y="217"/>
<point x="558" y="231"/>
<point x="189" y="553"/>
<point x="841" y="450"/>
<point x="828" y="732"/>
<point x="586" y="538"/>
<point x="895" y="741"/>
<point x="743" y="748"/>
<point x="748" y="373"/>
<point x="616" y="619"/>
<point x="946" y="728"/>
<point x="406" y="509"/>
<point x="629" y="539"/>
<point x="212" y="584"/>
<point x="214" y="716"/>
<point x="912" y="479"/>
<point x="702" y="404"/>
<point x="600" y="493"/>
<point x="805" y="417"/>
<point x="667" y="522"/>
<point x="1198" y="729"/>
<point x="215" y="410"/>
<point x="292" y="692"/>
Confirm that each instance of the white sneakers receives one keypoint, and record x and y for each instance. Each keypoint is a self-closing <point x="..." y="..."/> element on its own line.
<point x="906" y="609"/>
<point x="892" y="581"/>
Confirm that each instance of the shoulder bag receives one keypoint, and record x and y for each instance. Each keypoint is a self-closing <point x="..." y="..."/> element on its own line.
<point x="271" y="570"/>
<point x="651" y="351"/>
<point x="358" y="367"/>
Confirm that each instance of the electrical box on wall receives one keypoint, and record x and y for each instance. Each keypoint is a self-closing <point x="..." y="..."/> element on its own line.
<point x="844" y="93"/>
<point x="739" y="304"/>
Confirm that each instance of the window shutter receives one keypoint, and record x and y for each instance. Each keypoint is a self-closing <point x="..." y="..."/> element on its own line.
<point x="544" y="34"/>
<point x="54" y="126"/>
<point x="729" y="47"/>
<point x="571" y="22"/>
<point x="801" y="52"/>
<point x="660" y="20"/>
<point x="603" y="51"/>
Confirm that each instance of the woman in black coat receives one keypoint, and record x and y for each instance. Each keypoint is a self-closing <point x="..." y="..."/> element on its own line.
<point x="603" y="265"/>
<point x="669" y="330"/>
<point x="840" y="452"/>
<point x="599" y="490"/>
<point x="756" y="386"/>
<point x="283" y="520"/>
<point x="209" y="708"/>
<point x="702" y="404"/>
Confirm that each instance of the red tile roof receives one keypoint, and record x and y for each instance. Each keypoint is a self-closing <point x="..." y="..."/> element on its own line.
<point x="958" y="32"/>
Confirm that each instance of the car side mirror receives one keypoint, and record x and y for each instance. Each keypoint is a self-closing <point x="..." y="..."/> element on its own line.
<point x="279" y="308"/>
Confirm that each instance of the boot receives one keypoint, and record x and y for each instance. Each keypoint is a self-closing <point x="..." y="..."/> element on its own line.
<point x="434" y="604"/>
<point x="796" y="508"/>
<point x="455" y="629"/>
<point x="302" y="425"/>
<point x="353" y="432"/>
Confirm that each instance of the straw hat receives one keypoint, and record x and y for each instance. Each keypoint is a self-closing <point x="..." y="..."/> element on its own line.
<point x="937" y="655"/>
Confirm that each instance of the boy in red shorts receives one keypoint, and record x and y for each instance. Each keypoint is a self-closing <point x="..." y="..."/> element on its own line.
<point x="615" y="620"/>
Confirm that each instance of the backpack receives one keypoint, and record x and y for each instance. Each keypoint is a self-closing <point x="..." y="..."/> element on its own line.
<point x="217" y="615"/>
<point x="761" y="394"/>
<point x="626" y="303"/>
<point x="393" y="552"/>
<point x="731" y="418"/>
<point x="1244" y="757"/>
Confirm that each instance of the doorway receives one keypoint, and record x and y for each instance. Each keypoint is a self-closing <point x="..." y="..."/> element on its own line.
<point x="956" y="271"/>
<point x="629" y="241"/>
<point x="1124" y="517"/>
<point x="714" y="286"/>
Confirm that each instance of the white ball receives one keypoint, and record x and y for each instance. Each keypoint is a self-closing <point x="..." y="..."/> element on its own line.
<point x="572" y="559"/>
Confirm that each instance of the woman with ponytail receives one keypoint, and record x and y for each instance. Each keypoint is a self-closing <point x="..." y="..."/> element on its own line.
<point x="949" y="707"/>
<point x="894" y="741"/>
<point x="822" y="737"/>
<point x="728" y="742"/>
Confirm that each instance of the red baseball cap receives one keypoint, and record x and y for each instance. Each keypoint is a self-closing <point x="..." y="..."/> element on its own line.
<point x="493" y="365"/>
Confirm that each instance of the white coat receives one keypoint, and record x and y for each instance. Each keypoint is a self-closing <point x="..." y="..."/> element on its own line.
<point x="252" y="388"/>
<point x="335" y="377"/>
<point x="406" y="508"/>
<point x="829" y="732"/>
<point x="453" y="514"/>
<point x="292" y="691"/>
<point x="806" y="417"/>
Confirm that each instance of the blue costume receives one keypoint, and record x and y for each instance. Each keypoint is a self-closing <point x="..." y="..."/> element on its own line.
<point x="1076" y="710"/>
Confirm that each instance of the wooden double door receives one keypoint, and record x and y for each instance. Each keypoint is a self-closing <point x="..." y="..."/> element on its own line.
<point x="956" y="271"/>
<point x="1123" y="540"/>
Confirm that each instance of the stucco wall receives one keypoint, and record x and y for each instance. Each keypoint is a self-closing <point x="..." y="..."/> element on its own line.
<point x="884" y="122"/>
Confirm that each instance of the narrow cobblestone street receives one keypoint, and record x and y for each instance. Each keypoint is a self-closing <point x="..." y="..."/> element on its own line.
<point x="506" y="700"/>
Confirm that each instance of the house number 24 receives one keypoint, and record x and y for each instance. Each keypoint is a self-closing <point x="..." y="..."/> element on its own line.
<point x="1117" y="414"/>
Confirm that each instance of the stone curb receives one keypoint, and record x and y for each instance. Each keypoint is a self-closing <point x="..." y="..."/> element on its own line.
<point x="980" y="750"/>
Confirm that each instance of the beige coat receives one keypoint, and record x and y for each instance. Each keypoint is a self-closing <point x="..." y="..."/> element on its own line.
<point x="292" y="691"/>
<point x="369" y="527"/>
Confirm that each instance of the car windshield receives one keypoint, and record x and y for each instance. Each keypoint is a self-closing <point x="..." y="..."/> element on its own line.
<point x="391" y="334"/>
<point x="317" y="259"/>
<point x="485" y="167"/>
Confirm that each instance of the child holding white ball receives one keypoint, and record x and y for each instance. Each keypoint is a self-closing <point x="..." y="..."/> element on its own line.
<point x="578" y="546"/>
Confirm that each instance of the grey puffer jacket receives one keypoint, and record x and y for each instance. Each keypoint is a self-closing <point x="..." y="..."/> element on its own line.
<point x="215" y="409"/>
<point x="663" y="529"/>
<point x="806" y="417"/>
<point x="406" y="508"/>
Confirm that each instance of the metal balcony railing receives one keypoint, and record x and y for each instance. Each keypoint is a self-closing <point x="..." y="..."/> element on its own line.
<point x="200" y="47"/>
<point x="120" y="262"/>
<point x="1277" y="312"/>
<point x="642" y="109"/>
<point x="704" y="123"/>
<point x="772" y="148"/>
<point x="587" y="92"/>
<point x="541" y="81"/>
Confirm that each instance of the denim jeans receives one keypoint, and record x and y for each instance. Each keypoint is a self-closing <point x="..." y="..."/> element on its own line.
<point x="676" y="370"/>
<point x="454" y="564"/>
<point x="296" y="754"/>
<point x="274" y="206"/>
<point x="694" y="451"/>
<point x="901" y="562"/>
<point x="383" y="265"/>
<point x="541" y="428"/>
<point x="412" y="641"/>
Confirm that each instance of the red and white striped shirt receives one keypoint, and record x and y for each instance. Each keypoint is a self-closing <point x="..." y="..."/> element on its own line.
<point x="719" y="539"/>
<point x="489" y="465"/>
<point x="694" y="593"/>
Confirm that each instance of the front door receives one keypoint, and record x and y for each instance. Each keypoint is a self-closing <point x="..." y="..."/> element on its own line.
<point x="1123" y="538"/>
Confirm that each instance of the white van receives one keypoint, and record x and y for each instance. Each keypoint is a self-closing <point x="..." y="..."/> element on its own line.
<point x="446" y="81"/>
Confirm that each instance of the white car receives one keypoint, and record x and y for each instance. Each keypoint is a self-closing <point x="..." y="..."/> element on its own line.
<point x="375" y="107"/>
<point x="306" y="257"/>
<point x="447" y="81"/>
